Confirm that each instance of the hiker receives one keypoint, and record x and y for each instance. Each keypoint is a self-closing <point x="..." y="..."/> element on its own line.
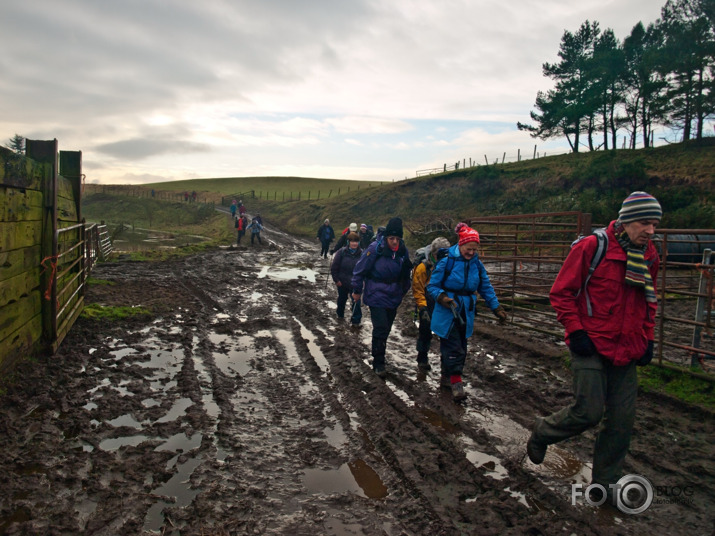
<point x="241" y="208"/>
<point x="342" y="272"/>
<point x="608" y="344"/>
<point x="255" y="228"/>
<point x="326" y="235"/>
<point x="258" y="218"/>
<point x="233" y="209"/>
<point x="453" y="285"/>
<point x="343" y="240"/>
<point x="423" y="301"/>
<point x="384" y="270"/>
<point x="241" y="225"/>
<point x="366" y="235"/>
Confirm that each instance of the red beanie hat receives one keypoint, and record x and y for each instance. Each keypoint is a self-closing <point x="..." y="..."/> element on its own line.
<point x="466" y="233"/>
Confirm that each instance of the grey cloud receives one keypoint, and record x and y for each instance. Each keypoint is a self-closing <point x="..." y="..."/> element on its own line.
<point x="141" y="148"/>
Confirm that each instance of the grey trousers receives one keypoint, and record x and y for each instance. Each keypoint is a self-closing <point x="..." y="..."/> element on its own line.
<point x="602" y="393"/>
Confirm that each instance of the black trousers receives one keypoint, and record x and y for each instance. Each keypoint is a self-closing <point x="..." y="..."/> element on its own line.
<point x="382" y="319"/>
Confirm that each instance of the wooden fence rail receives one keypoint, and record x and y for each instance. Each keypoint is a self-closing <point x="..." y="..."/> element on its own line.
<point x="46" y="250"/>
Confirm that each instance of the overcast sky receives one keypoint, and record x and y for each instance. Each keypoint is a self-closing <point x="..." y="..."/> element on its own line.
<point x="154" y="90"/>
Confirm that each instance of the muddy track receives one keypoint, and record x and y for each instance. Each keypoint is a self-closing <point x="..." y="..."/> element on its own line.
<point x="243" y="406"/>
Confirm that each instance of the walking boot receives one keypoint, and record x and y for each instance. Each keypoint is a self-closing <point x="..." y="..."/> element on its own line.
<point x="535" y="449"/>
<point x="458" y="391"/>
<point x="423" y="362"/>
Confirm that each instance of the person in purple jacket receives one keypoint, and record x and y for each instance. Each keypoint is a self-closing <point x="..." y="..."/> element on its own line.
<point x="341" y="271"/>
<point x="384" y="272"/>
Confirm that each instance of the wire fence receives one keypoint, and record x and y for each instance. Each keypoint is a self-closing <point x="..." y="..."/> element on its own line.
<point x="470" y="162"/>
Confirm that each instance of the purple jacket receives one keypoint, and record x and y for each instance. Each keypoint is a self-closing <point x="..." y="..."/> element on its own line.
<point x="384" y="273"/>
<point x="344" y="262"/>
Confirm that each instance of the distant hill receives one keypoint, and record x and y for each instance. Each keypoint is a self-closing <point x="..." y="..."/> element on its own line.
<point x="681" y="176"/>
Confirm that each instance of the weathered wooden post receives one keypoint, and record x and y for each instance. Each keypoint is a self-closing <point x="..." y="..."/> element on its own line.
<point x="46" y="152"/>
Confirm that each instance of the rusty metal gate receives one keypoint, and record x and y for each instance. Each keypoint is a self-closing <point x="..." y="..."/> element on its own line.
<point x="523" y="254"/>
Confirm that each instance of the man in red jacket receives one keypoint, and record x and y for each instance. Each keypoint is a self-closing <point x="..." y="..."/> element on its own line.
<point x="606" y="345"/>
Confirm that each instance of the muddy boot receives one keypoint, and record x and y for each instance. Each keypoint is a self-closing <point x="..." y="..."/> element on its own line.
<point x="535" y="449"/>
<point x="458" y="391"/>
<point x="445" y="382"/>
<point x="378" y="356"/>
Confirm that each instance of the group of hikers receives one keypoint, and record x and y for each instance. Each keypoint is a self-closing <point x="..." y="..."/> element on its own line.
<point x="377" y="271"/>
<point x="240" y="218"/>
<point x="609" y="326"/>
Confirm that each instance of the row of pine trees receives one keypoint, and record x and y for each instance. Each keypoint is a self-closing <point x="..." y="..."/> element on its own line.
<point x="662" y="74"/>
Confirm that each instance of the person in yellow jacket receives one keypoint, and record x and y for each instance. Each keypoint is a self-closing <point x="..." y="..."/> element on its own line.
<point x="423" y="301"/>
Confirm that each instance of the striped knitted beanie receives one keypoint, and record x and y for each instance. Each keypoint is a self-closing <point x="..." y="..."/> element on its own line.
<point x="640" y="206"/>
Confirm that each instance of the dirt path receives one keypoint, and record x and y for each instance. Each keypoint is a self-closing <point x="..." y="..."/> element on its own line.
<point x="246" y="407"/>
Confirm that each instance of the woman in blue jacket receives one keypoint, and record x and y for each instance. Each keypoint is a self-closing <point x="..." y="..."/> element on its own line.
<point x="384" y="270"/>
<point x="453" y="285"/>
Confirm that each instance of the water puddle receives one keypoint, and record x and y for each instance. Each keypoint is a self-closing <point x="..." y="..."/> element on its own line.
<point x="354" y="477"/>
<point x="235" y="362"/>
<point x="177" y="410"/>
<point x="314" y="349"/>
<point x="287" y="274"/>
<point x="123" y="352"/>
<point x="368" y="480"/>
<point x="125" y="420"/>
<point x="180" y="443"/>
<point x="178" y="487"/>
<point x="491" y="464"/>
<point x="116" y="443"/>
<point x="335" y="435"/>
<point x="562" y="465"/>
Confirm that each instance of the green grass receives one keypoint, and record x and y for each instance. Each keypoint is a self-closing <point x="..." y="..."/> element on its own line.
<point x="95" y="311"/>
<point x="95" y="281"/>
<point x="267" y="187"/>
<point x="677" y="384"/>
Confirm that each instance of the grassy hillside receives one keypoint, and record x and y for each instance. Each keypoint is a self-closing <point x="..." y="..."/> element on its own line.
<point x="266" y="187"/>
<point x="679" y="175"/>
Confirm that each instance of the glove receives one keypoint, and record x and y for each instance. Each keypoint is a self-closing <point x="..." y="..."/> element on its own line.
<point x="500" y="313"/>
<point x="581" y="344"/>
<point x="424" y="315"/>
<point x="643" y="361"/>
<point x="444" y="300"/>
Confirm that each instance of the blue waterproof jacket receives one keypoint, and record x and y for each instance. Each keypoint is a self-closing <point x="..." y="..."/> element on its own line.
<point x="384" y="273"/>
<point x="326" y="233"/>
<point x="463" y="279"/>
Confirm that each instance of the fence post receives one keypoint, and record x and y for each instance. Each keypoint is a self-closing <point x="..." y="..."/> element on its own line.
<point x="518" y="155"/>
<point x="700" y="308"/>
<point x="534" y="157"/>
<point x="486" y="159"/>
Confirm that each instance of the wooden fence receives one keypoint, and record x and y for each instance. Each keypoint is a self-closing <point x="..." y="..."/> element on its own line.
<point x="44" y="254"/>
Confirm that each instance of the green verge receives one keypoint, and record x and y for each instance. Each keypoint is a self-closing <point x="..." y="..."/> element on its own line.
<point x="95" y="311"/>
<point x="677" y="384"/>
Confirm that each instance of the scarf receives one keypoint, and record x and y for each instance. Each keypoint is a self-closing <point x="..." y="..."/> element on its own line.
<point x="637" y="273"/>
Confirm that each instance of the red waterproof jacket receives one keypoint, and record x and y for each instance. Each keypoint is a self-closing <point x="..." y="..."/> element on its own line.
<point x="622" y="322"/>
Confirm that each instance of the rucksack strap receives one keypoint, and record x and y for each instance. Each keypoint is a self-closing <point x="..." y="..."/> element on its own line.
<point x="598" y="255"/>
